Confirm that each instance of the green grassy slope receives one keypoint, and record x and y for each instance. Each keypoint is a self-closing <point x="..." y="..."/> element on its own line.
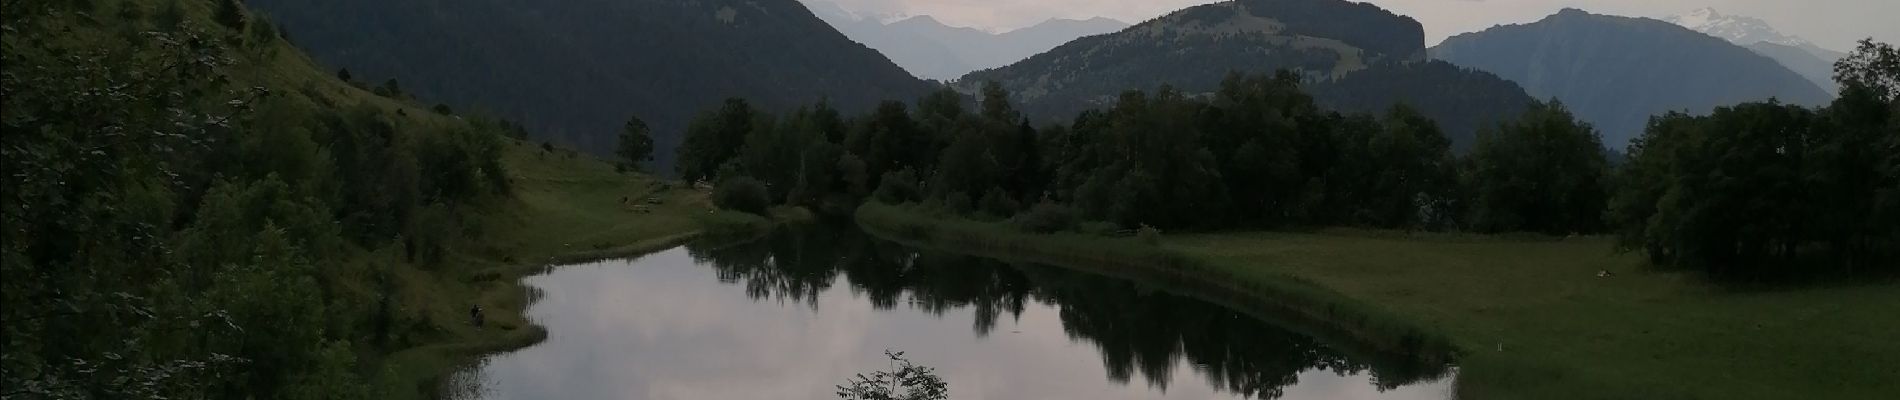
<point x="1530" y="316"/>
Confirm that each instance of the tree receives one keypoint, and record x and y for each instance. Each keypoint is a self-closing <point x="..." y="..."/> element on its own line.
<point x="230" y="14"/>
<point x="1542" y="173"/>
<point x="1767" y="191"/>
<point x="742" y="194"/>
<point x="1873" y="66"/>
<point x="636" y="144"/>
<point x="715" y="137"/>
<point x="905" y="381"/>
<point x="343" y="74"/>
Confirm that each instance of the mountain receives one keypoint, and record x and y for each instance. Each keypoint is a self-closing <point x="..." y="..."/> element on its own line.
<point x="1194" y="48"/>
<point x="1461" y="100"/>
<point x="1804" y="57"/>
<point x="1616" y="72"/>
<point x="577" y="69"/>
<point x="933" y="50"/>
<point x="1801" y="61"/>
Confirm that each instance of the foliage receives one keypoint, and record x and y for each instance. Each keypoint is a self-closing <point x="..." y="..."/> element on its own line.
<point x="1873" y="66"/>
<point x="1047" y="217"/>
<point x="897" y="187"/>
<point x="213" y="220"/>
<point x="742" y="194"/>
<point x="715" y="137"/>
<point x="1542" y="173"/>
<point x="1817" y="187"/>
<point x="905" y="381"/>
<point x="636" y="144"/>
<point x="1258" y="153"/>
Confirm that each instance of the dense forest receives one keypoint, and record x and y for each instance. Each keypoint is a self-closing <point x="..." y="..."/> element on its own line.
<point x="1260" y="153"/>
<point x="192" y="210"/>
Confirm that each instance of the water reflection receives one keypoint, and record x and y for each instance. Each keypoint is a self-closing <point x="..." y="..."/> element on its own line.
<point x="822" y="303"/>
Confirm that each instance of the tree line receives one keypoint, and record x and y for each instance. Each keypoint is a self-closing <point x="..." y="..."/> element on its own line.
<point x="1747" y="189"/>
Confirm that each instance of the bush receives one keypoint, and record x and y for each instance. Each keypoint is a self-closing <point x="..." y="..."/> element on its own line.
<point x="1046" y="217"/>
<point x="957" y="203"/>
<point x="898" y="187"/>
<point x="998" y="203"/>
<point x="1098" y="228"/>
<point x="1149" y="235"/>
<point x="742" y="194"/>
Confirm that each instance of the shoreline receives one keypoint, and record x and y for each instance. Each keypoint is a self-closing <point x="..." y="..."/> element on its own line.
<point x="1298" y="304"/>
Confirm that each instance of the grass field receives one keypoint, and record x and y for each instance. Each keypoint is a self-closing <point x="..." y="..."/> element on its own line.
<point x="1533" y="320"/>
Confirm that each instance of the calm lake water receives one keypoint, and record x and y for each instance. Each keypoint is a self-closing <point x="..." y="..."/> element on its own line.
<point x="794" y="315"/>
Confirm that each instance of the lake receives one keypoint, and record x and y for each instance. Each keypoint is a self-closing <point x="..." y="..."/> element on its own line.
<point x="795" y="314"/>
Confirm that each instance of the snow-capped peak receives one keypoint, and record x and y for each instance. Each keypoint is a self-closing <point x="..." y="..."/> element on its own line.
<point x="1738" y="29"/>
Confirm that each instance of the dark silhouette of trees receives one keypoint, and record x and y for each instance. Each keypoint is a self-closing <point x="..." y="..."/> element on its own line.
<point x="1541" y="173"/>
<point x="636" y="144"/>
<point x="1769" y="191"/>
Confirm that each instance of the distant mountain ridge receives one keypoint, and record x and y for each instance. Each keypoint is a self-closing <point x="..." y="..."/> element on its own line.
<point x="1195" y="48"/>
<point x="1616" y="72"/>
<point x="1804" y="57"/>
<point x="575" y="70"/>
<point x="931" y="49"/>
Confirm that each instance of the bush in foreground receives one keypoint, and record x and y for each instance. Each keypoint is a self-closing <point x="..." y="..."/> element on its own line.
<point x="742" y="194"/>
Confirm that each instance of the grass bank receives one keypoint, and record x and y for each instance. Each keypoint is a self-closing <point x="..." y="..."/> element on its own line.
<point x="1310" y="307"/>
<point x="1529" y="315"/>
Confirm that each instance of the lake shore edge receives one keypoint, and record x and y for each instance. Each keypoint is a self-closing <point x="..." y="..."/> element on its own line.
<point x="1302" y="305"/>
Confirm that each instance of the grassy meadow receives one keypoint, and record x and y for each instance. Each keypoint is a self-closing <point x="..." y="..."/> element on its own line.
<point x="1530" y="317"/>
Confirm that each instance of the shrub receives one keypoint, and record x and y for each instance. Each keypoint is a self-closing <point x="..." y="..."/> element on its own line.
<point x="898" y="187"/>
<point x="1046" y="217"/>
<point x="1098" y="228"/>
<point x="1149" y="234"/>
<point x="957" y="203"/>
<point x="998" y="203"/>
<point x="742" y="194"/>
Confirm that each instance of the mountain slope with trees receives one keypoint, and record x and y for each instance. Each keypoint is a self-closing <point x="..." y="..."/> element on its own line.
<point x="1195" y="48"/>
<point x="578" y="69"/>
<point x="1462" y="101"/>
<point x="1616" y="72"/>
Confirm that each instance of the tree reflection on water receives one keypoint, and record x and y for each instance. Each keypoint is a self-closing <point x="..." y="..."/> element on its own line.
<point x="1137" y="329"/>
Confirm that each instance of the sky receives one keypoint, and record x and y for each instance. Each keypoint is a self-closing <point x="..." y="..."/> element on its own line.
<point x="1834" y="24"/>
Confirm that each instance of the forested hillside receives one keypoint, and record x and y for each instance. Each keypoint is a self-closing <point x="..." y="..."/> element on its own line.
<point x="1616" y="72"/>
<point x="579" y="69"/>
<point x="1462" y="101"/>
<point x="194" y="209"/>
<point x="1193" y="49"/>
